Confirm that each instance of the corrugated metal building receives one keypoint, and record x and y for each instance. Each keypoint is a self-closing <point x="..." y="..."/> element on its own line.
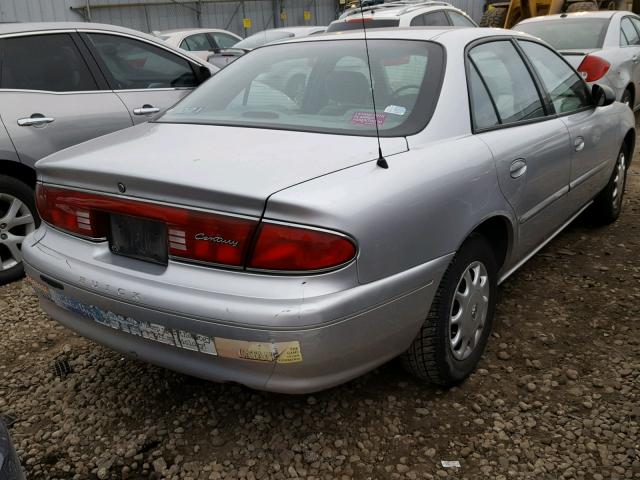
<point x="149" y="15"/>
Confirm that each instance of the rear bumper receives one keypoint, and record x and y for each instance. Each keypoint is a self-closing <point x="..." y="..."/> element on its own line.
<point x="329" y="328"/>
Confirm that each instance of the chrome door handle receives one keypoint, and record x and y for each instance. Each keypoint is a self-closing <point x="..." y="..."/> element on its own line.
<point x="578" y="144"/>
<point x="145" y="110"/>
<point x="34" y="121"/>
<point x="518" y="168"/>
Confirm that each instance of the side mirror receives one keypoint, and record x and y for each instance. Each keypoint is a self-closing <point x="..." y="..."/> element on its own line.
<point x="203" y="73"/>
<point x="602" y="95"/>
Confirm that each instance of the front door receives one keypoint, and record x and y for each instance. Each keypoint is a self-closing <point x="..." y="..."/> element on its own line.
<point x="147" y="78"/>
<point x="591" y="132"/>
<point x="50" y="98"/>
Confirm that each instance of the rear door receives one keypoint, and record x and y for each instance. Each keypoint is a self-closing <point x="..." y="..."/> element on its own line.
<point x="630" y="45"/>
<point x="147" y="78"/>
<point x="592" y="131"/>
<point x="531" y="148"/>
<point x="52" y="96"/>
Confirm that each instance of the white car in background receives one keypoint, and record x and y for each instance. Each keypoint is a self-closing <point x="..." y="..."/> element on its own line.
<point x="603" y="46"/>
<point x="202" y="42"/>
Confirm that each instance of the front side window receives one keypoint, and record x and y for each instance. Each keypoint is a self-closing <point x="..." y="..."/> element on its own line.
<point x="196" y="43"/>
<point x="223" y="40"/>
<point x="323" y="86"/>
<point x="568" y="33"/>
<point x="629" y="35"/>
<point x="45" y="62"/>
<point x="134" y="64"/>
<point x="566" y="89"/>
<point x="434" y="19"/>
<point x="511" y="87"/>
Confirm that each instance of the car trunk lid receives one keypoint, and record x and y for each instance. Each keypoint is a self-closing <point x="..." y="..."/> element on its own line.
<point x="576" y="56"/>
<point x="227" y="169"/>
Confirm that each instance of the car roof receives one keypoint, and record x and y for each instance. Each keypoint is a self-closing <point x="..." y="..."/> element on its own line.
<point x="396" y="9"/>
<point x="442" y="34"/>
<point x="28" y="27"/>
<point x="606" y="14"/>
<point x="185" y="31"/>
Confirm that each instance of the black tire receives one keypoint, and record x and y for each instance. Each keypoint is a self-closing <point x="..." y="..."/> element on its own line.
<point x="607" y="206"/>
<point x="24" y="193"/>
<point x="582" y="7"/>
<point x="627" y="97"/>
<point x="494" y="17"/>
<point x="430" y="357"/>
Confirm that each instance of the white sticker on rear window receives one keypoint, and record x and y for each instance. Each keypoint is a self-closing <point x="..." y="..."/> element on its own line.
<point x="396" y="110"/>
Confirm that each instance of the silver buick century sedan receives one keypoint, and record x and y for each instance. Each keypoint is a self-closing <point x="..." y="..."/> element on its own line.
<point x="293" y="241"/>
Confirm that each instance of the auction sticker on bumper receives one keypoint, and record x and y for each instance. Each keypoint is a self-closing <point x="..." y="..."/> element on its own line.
<point x="279" y="352"/>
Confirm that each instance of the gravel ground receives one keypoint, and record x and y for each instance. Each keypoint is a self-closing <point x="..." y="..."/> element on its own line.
<point x="557" y="394"/>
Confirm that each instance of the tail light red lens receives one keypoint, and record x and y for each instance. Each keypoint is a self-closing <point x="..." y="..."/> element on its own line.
<point x="593" y="68"/>
<point x="200" y="236"/>
<point x="295" y="249"/>
<point x="193" y="235"/>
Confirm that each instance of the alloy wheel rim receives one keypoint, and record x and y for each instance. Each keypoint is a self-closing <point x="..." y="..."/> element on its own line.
<point x="16" y="222"/>
<point x="619" y="181"/>
<point x="469" y="308"/>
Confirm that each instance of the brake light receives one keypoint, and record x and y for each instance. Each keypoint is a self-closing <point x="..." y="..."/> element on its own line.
<point x="593" y="68"/>
<point x="200" y="236"/>
<point x="295" y="249"/>
<point x="193" y="235"/>
<point x="359" y="19"/>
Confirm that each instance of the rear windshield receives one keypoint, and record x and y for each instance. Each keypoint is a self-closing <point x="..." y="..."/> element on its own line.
<point x="356" y="24"/>
<point x="322" y="86"/>
<point x="569" y="34"/>
<point x="262" y="38"/>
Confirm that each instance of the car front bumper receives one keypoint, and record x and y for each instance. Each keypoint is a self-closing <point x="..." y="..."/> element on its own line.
<point x="283" y="334"/>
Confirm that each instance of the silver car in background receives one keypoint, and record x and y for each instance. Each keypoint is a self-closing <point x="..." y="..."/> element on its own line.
<point x="64" y="83"/>
<point x="281" y="243"/>
<point x="260" y="39"/>
<point x="603" y="46"/>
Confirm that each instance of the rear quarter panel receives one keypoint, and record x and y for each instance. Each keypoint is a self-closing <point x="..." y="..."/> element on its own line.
<point x="421" y="208"/>
<point x="7" y="150"/>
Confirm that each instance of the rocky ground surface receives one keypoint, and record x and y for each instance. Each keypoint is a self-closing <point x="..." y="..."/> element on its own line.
<point x="557" y="394"/>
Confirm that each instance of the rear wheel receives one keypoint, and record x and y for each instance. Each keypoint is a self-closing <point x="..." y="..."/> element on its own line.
<point x="607" y="205"/>
<point x="494" y="17"/>
<point x="453" y="337"/>
<point x="582" y="7"/>
<point x="18" y="217"/>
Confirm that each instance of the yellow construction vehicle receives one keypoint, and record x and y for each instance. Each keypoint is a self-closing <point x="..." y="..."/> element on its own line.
<point x="506" y="14"/>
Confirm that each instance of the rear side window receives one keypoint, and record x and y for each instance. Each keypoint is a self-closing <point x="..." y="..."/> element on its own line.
<point x="459" y="20"/>
<point x="196" y="43"/>
<point x="566" y="89"/>
<point x="135" y="64"/>
<point x="356" y="22"/>
<point x="223" y="40"/>
<point x="433" y="19"/>
<point x="482" y="108"/>
<point x="45" y="62"/>
<point x="628" y="35"/>
<point x="508" y="80"/>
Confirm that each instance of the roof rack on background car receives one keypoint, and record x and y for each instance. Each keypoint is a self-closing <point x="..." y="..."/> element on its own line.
<point x="396" y="4"/>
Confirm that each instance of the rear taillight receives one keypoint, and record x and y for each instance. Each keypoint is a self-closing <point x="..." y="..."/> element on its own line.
<point x="593" y="68"/>
<point x="201" y="236"/>
<point x="295" y="249"/>
<point x="192" y="234"/>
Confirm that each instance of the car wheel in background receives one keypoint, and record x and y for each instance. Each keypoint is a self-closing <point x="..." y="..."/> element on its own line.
<point x="453" y="337"/>
<point x="607" y="205"/>
<point x="582" y="7"/>
<point x="494" y="17"/>
<point x="627" y="98"/>
<point x="18" y="217"/>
